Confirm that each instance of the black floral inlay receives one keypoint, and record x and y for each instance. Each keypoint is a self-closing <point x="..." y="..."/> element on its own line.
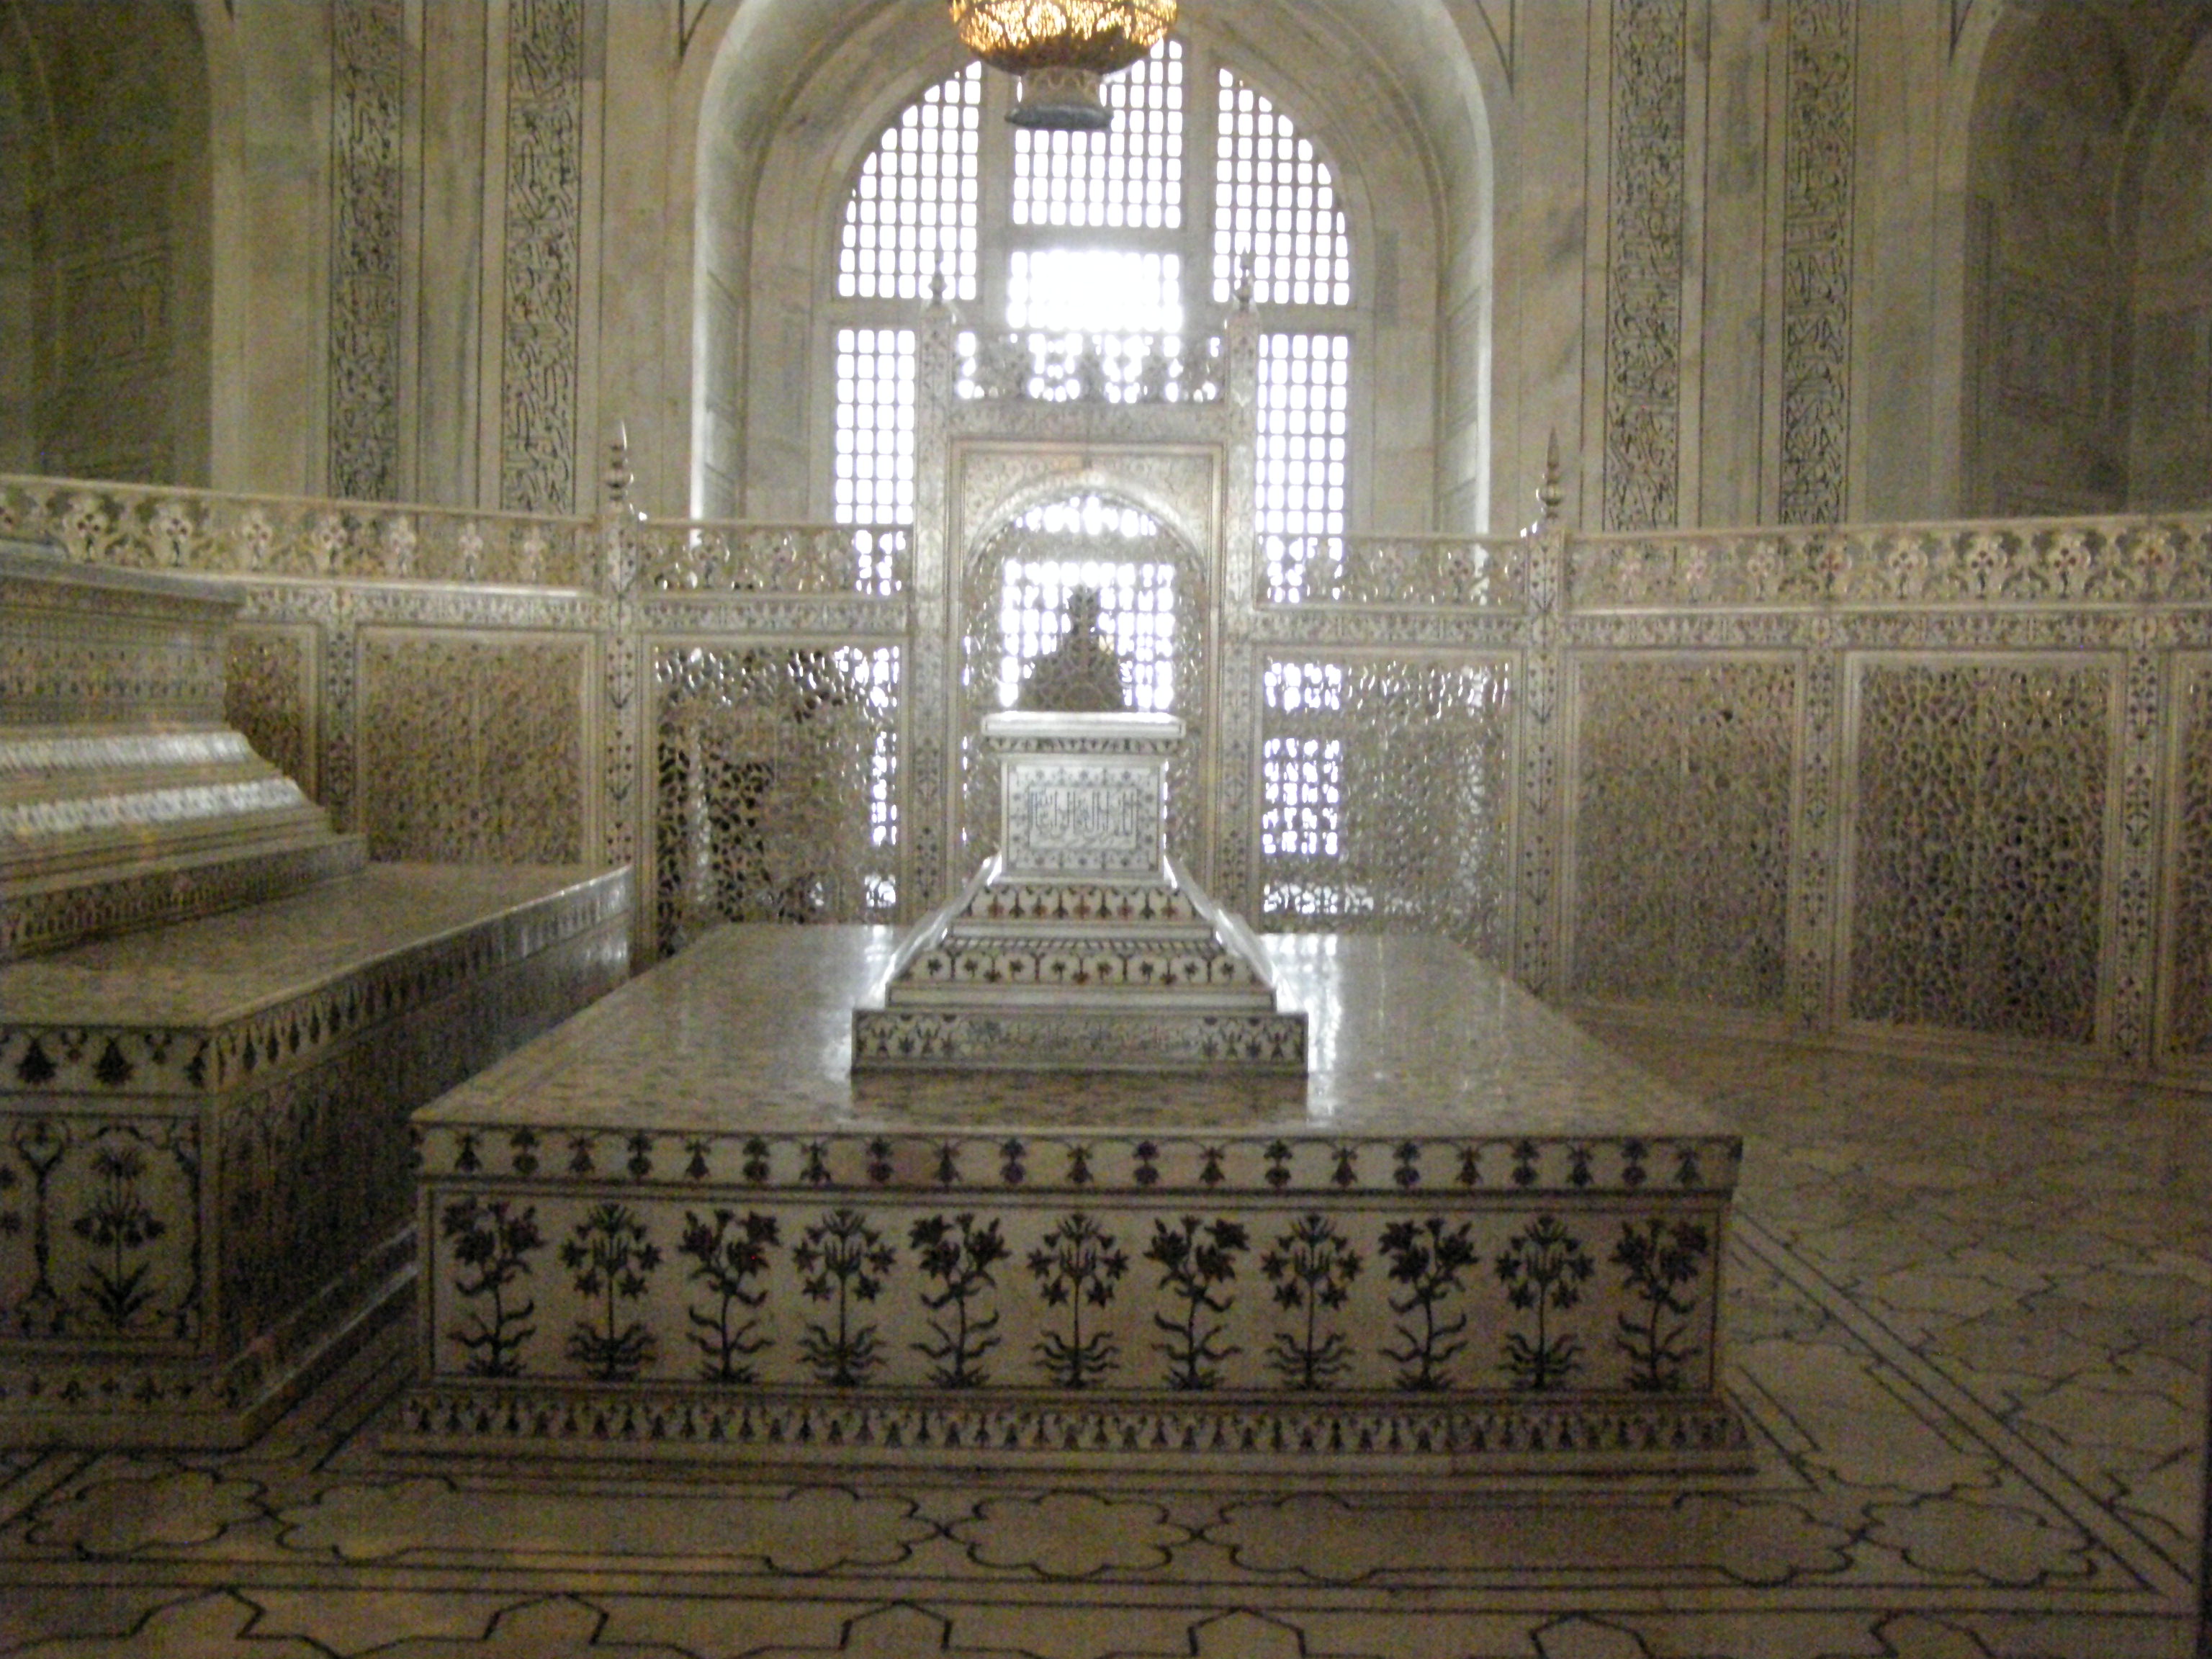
<point x="728" y="1254"/>
<point x="1077" y="1267"/>
<point x="1196" y="1258"/>
<point x="491" y="1245"/>
<point x="611" y="1260"/>
<point x="960" y="1256"/>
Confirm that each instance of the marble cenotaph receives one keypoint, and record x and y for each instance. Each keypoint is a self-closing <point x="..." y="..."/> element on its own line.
<point x="214" y="1018"/>
<point x="1078" y="1173"/>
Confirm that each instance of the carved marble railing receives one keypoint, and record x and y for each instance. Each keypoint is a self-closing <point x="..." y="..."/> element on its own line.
<point x="2090" y="561"/>
<point x="160" y="528"/>
<point x="701" y="556"/>
<point x="1482" y="572"/>
<point x="1041" y="366"/>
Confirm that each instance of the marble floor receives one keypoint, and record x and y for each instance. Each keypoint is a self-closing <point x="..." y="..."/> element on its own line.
<point x="1974" y="1365"/>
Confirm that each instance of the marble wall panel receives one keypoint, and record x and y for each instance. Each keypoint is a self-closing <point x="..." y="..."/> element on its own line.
<point x="270" y="694"/>
<point x="1680" y="850"/>
<point x="542" y="307"/>
<point x="1387" y="789"/>
<point x="1645" y="228"/>
<point x="1820" y="160"/>
<point x="777" y="791"/>
<point x="1978" y="846"/>
<point x="2188" y="996"/>
<point x="472" y="747"/>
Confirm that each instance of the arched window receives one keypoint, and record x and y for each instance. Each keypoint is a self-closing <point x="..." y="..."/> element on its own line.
<point x="1139" y="236"/>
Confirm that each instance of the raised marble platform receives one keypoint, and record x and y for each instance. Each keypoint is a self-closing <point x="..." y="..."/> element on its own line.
<point x="1472" y="1240"/>
<point x="205" y="1175"/>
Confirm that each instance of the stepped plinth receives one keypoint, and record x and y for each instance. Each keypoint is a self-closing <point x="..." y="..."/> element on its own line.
<point x="126" y="801"/>
<point x="1080" y="944"/>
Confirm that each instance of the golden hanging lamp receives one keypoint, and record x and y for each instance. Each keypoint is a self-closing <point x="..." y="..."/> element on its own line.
<point x="1061" y="49"/>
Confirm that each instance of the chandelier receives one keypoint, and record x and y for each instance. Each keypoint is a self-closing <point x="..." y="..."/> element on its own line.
<point x="1061" y="49"/>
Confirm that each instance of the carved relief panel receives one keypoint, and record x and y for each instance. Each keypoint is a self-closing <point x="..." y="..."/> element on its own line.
<point x="472" y="746"/>
<point x="1679" y="847"/>
<point x="1975" y="835"/>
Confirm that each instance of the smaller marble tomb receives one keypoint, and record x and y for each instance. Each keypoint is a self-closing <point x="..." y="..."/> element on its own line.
<point x="1080" y="944"/>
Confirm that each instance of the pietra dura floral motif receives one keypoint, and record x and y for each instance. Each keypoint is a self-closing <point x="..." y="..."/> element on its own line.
<point x="896" y="1298"/>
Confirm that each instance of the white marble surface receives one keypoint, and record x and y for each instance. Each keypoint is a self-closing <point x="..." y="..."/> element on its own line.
<point x="222" y="968"/>
<point x="750" y="1028"/>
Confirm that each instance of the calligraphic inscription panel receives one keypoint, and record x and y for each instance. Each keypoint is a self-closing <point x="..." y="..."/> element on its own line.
<point x="1087" y="818"/>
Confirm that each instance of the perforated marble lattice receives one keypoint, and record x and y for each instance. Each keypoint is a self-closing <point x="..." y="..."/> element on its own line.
<point x="778" y="786"/>
<point x="1978" y="850"/>
<point x="1681" y="856"/>
<point x="472" y="750"/>
<point x="1386" y="798"/>
<point x="2191" y="1028"/>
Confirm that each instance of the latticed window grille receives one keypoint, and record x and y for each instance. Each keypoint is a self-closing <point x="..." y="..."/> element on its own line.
<point x="912" y="214"/>
<point x="1136" y="599"/>
<point x="1275" y="212"/>
<point x="1109" y="240"/>
<point x="1130" y="175"/>
<point x="1302" y="477"/>
<point x="873" y="454"/>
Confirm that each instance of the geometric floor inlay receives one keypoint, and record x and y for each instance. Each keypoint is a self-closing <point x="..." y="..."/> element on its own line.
<point x="1977" y="1428"/>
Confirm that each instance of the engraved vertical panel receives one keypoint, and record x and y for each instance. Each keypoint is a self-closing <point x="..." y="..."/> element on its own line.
<point x="1645" y="230"/>
<point x="2189" y="995"/>
<point x="366" y="66"/>
<point x="1821" y="128"/>
<point x="778" y="792"/>
<point x="472" y="749"/>
<point x="1387" y="797"/>
<point x="1813" y="838"/>
<point x="1682" y="853"/>
<point x="268" y="694"/>
<point x="545" y="225"/>
<point x="1979" y="847"/>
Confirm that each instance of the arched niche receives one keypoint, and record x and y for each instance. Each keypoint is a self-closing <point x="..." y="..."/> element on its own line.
<point x="793" y="94"/>
<point x="1156" y="593"/>
<point x="106" y="205"/>
<point x="2065" y="240"/>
